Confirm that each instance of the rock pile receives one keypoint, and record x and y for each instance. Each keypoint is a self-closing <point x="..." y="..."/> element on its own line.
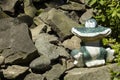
<point x="36" y="38"/>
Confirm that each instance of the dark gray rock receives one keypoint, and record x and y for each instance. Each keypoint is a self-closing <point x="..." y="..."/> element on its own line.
<point x="74" y="16"/>
<point x="33" y="76"/>
<point x="25" y="19"/>
<point x="41" y="63"/>
<point x="45" y="46"/>
<point x="59" y="22"/>
<point x="8" y="5"/>
<point x="73" y="6"/>
<point x="15" y="42"/>
<point x="97" y="73"/>
<point x="14" y="71"/>
<point x="55" y="73"/>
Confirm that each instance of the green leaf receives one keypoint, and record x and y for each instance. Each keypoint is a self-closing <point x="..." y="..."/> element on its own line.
<point x="118" y="14"/>
<point x="102" y="2"/>
<point x="114" y="13"/>
<point x="115" y="78"/>
<point x="92" y="2"/>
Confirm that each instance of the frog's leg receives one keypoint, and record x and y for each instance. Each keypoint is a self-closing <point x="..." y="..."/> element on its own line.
<point x="110" y="55"/>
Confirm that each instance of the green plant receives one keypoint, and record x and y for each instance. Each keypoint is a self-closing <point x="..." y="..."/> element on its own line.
<point x="115" y="75"/>
<point x="108" y="14"/>
<point x="116" y="46"/>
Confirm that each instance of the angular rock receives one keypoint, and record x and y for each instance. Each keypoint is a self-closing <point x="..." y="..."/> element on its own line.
<point x="14" y="71"/>
<point x="73" y="15"/>
<point x="45" y="46"/>
<point x="36" y="31"/>
<point x="3" y="14"/>
<point x="73" y="6"/>
<point x="33" y="76"/>
<point x="55" y="72"/>
<point x="29" y="8"/>
<point x="2" y="59"/>
<point x="88" y="14"/>
<point x="25" y="19"/>
<point x="81" y="1"/>
<point x="15" y="42"/>
<point x="73" y="43"/>
<point x="97" y="73"/>
<point x="59" y="22"/>
<point x="55" y="3"/>
<point x="41" y="63"/>
<point x="8" y="5"/>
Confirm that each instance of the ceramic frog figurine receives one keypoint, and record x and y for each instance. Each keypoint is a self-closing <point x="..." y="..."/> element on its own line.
<point x="92" y="53"/>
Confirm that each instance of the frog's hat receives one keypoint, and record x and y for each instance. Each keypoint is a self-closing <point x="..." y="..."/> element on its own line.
<point x="91" y="31"/>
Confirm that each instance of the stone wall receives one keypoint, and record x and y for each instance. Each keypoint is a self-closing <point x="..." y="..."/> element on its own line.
<point x="36" y="40"/>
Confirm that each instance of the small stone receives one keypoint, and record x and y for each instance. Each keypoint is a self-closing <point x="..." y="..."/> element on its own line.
<point x="33" y="76"/>
<point x="56" y="71"/>
<point x="45" y="46"/>
<point x="14" y="71"/>
<point x="29" y="8"/>
<point x="59" y="22"/>
<point x="36" y="31"/>
<point x="8" y="5"/>
<point x="41" y="63"/>
<point x="25" y="19"/>
<point x="73" y="43"/>
<point x="73" y="6"/>
<point x="87" y="15"/>
<point x="2" y="60"/>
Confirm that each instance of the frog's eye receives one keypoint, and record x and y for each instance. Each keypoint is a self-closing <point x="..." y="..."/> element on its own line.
<point x="91" y="23"/>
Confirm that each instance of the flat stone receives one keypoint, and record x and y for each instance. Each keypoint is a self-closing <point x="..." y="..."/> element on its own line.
<point x="97" y="73"/>
<point x="56" y="71"/>
<point x="59" y="22"/>
<point x="33" y="76"/>
<point x="45" y="46"/>
<point x="88" y="14"/>
<point x="41" y="63"/>
<point x="15" y="42"/>
<point x="36" y="31"/>
<point x="73" y="6"/>
<point x="14" y="71"/>
<point x="73" y="43"/>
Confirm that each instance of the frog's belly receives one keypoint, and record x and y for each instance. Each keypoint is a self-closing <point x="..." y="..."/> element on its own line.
<point x="93" y="51"/>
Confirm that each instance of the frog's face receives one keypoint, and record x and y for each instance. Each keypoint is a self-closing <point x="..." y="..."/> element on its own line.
<point x="91" y="23"/>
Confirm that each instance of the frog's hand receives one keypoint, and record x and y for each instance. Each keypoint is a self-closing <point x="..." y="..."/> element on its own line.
<point x="78" y="55"/>
<point x="79" y="60"/>
<point x="110" y="55"/>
